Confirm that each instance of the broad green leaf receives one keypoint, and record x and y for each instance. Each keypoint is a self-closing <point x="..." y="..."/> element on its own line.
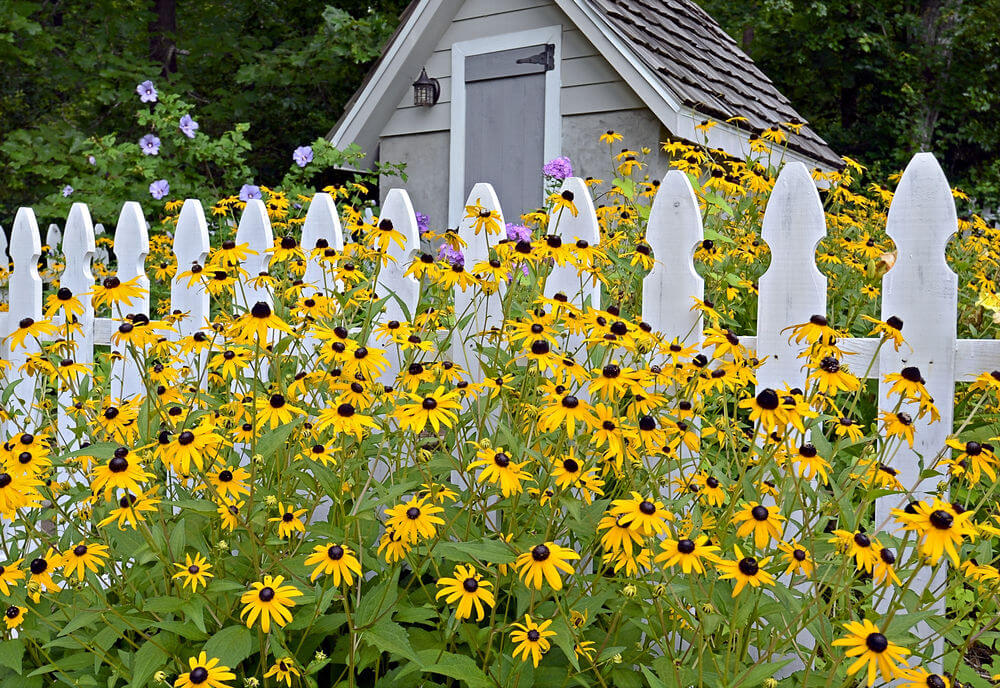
<point x="489" y="551"/>
<point x="147" y="659"/>
<point x="461" y="667"/>
<point x="11" y="653"/>
<point x="388" y="636"/>
<point x="231" y="645"/>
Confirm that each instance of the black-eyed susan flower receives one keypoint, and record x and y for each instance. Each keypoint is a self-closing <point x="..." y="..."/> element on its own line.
<point x="414" y="520"/>
<point x="435" y="409"/>
<point x="873" y="651"/>
<point x="468" y="588"/>
<point x="797" y="557"/>
<point x="269" y="601"/>
<point x="543" y="564"/>
<point x="745" y="571"/>
<point x="123" y="471"/>
<point x="531" y="639"/>
<point x="764" y="523"/>
<point x="344" y="419"/>
<point x="285" y="670"/>
<point x="253" y="327"/>
<point x="289" y="520"/>
<point x="940" y="526"/>
<point x="645" y="516"/>
<point x="336" y="560"/>
<point x="10" y="574"/>
<point x="687" y="553"/>
<point x="194" y="571"/>
<point x="498" y="468"/>
<point x="205" y="673"/>
<point x="82" y="558"/>
<point x="14" y="616"/>
<point x="28" y="327"/>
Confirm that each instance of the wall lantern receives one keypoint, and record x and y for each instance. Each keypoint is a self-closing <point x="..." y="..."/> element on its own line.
<point x="426" y="91"/>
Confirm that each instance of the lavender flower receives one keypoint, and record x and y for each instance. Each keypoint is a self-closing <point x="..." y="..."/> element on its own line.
<point x="91" y="159"/>
<point x="558" y="168"/>
<point x="188" y="126"/>
<point x="67" y="190"/>
<point x="146" y="91"/>
<point x="159" y="188"/>
<point x="453" y="256"/>
<point x="302" y="156"/>
<point x="518" y="232"/>
<point x="423" y="223"/>
<point x="249" y="192"/>
<point x="149" y="144"/>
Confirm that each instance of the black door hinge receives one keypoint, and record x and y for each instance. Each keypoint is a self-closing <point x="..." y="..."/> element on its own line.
<point x="546" y="58"/>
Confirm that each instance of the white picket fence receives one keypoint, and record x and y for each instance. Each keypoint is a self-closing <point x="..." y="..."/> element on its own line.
<point x="920" y="289"/>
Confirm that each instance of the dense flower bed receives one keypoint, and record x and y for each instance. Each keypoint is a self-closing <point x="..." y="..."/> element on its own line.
<point x="600" y="507"/>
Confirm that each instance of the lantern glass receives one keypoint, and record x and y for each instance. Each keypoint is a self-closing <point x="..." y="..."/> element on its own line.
<point x="426" y="91"/>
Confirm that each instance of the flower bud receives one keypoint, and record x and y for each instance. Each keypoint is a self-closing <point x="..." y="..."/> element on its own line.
<point x="160" y="676"/>
<point x="271" y="500"/>
<point x="617" y="659"/>
<point x="629" y="590"/>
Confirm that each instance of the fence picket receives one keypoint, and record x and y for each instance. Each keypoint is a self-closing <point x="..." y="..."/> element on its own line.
<point x="487" y="312"/>
<point x="570" y="228"/>
<point x="673" y="230"/>
<point x="189" y="300"/>
<point x="922" y="291"/>
<point x="322" y="224"/>
<point x="131" y="249"/>
<point x="254" y="230"/>
<point x="398" y="210"/>
<point x="25" y="301"/>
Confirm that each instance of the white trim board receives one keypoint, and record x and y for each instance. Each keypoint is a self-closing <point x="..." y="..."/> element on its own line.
<point x="552" y="133"/>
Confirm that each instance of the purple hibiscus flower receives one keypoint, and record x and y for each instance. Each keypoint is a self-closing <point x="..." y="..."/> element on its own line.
<point x="188" y="126"/>
<point x="91" y="159"/>
<point x="303" y="155"/>
<point x="67" y="190"/>
<point x="518" y="232"/>
<point x="423" y="223"/>
<point x="159" y="188"/>
<point x="149" y="144"/>
<point x="249" y="192"/>
<point x="146" y="91"/>
<point x="558" y="168"/>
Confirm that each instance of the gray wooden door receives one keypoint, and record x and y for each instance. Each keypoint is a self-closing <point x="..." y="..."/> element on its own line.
<point x="504" y="125"/>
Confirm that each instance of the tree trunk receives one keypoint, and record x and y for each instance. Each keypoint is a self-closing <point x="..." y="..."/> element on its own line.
<point x="938" y="19"/>
<point x="162" y="29"/>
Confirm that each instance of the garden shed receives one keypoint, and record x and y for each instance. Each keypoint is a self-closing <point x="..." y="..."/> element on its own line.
<point x="505" y="85"/>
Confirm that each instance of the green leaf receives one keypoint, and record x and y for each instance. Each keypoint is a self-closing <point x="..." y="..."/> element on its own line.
<point x="145" y="662"/>
<point x="461" y="667"/>
<point x="231" y="645"/>
<point x="11" y="654"/>
<point x="388" y="636"/>
<point x="79" y="621"/>
<point x="757" y="674"/>
<point x="270" y="442"/>
<point x="489" y="551"/>
<point x="654" y="682"/>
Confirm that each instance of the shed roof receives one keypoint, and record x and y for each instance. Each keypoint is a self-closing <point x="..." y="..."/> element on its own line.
<point x="675" y="56"/>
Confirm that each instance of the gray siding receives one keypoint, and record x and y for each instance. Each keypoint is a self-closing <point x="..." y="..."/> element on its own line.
<point x="426" y="157"/>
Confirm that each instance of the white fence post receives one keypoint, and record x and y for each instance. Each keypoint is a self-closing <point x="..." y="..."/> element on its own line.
<point x="322" y="223"/>
<point x="922" y="291"/>
<point x="131" y="249"/>
<point x="398" y="210"/>
<point x="25" y="301"/>
<point x="566" y="279"/>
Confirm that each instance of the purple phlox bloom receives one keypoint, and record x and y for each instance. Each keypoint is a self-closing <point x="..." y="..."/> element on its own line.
<point x="149" y="144"/>
<point x="188" y="126"/>
<point x="558" y="168"/>
<point x="159" y="188"/>
<point x="452" y="255"/>
<point x="518" y="232"/>
<point x="67" y="190"/>
<point x="423" y="223"/>
<point x="303" y="155"/>
<point x="249" y="192"/>
<point x="91" y="159"/>
<point x="146" y="91"/>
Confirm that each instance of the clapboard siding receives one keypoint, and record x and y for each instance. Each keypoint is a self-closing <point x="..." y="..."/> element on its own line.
<point x="589" y="82"/>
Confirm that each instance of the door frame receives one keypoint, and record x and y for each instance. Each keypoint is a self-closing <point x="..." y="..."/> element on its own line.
<point x="552" y="129"/>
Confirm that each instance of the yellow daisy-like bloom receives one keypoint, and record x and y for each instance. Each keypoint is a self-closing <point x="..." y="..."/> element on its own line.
<point x="874" y="651"/>
<point x="290" y="520"/>
<point x="194" y="572"/>
<point x="921" y="678"/>
<point x="345" y="420"/>
<point x="687" y="553"/>
<point x="114" y="292"/>
<point x="531" y="639"/>
<point x="14" y="616"/>
<point x="205" y="673"/>
<point x="121" y="472"/>
<point x="468" y="589"/>
<point x="763" y="522"/>
<point x="645" y="516"/>
<point x="10" y="574"/>
<point x="940" y="526"/>
<point x="745" y="571"/>
<point x="543" y="564"/>
<point x="498" y="468"/>
<point x="436" y="409"/>
<point x="798" y="558"/>
<point x="270" y="601"/>
<point x="253" y="327"/>
<point x="28" y="327"/>
<point x="274" y="410"/>
<point x="284" y="670"/>
<point x="83" y="558"/>
<point x="338" y="560"/>
<point x="414" y="520"/>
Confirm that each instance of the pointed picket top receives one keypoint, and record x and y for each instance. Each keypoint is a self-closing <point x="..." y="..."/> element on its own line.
<point x="403" y="290"/>
<point x="673" y="231"/>
<point x="571" y="228"/>
<point x="3" y="247"/>
<point x="53" y="237"/>
<point x="78" y="249"/>
<point x="477" y="246"/>
<point x="25" y="284"/>
<point x="99" y="228"/>
<point x="132" y="247"/>
<point x="191" y="247"/>
<point x="322" y="224"/>
<point x="254" y="230"/>
<point x="793" y="289"/>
